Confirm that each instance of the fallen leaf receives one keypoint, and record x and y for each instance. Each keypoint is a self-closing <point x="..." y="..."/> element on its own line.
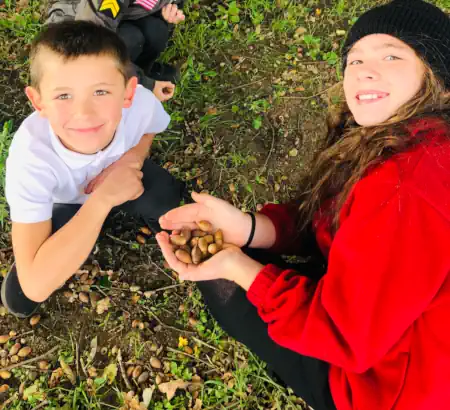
<point x="147" y="395"/>
<point x="170" y="388"/>
<point x="93" y="351"/>
<point x="67" y="371"/>
<point x="198" y="405"/>
<point x="110" y="373"/>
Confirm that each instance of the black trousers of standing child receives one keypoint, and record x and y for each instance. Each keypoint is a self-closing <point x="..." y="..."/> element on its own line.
<point x="228" y="304"/>
<point x="145" y="38"/>
<point x="162" y="192"/>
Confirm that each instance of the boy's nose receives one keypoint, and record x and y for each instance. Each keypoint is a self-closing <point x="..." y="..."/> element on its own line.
<point x="83" y="108"/>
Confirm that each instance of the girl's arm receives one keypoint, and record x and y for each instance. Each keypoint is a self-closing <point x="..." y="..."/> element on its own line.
<point x="386" y="265"/>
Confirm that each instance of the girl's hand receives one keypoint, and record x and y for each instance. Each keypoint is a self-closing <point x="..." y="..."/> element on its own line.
<point x="234" y="223"/>
<point x="230" y="263"/>
<point x="172" y="14"/>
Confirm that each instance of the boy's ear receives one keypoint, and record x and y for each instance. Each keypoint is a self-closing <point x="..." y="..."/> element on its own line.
<point x="35" y="99"/>
<point x="130" y="91"/>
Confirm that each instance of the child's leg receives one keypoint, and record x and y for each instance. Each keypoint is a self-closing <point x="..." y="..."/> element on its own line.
<point x="162" y="193"/>
<point x="12" y="295"/>
<point x="156" y="34"/>
<point x="133" y="38"/>
<point x="228" y="304"/>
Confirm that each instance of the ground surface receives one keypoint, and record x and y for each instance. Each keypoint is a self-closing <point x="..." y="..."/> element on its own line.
<point x="247" y="115"/>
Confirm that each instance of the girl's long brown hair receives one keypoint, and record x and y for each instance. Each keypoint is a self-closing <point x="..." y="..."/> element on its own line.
<point x="350" y="150"/>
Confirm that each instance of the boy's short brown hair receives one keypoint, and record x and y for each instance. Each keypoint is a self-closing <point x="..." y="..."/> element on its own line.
<point x="72" y="39"/>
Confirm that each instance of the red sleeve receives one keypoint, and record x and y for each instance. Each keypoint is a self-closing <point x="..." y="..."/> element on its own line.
<point x="384" y="269"/>
<point x="283" y="218"/>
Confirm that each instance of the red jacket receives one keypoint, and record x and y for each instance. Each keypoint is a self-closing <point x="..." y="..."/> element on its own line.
<point x="381" y="314"/>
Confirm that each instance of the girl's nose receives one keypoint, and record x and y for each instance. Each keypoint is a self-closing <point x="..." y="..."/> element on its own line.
<point x="368" y="73"/>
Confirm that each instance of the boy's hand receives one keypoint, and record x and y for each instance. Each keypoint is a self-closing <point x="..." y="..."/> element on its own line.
<point x="163" y="90"/>
<point x="120" y="185"/>
<point x="172" y="14"/>
<point x="131" y="159"/>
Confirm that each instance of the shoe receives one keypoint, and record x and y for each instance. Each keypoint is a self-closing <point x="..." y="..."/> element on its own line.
<point x="163" y="72"/>
<point x="13" y="297"/>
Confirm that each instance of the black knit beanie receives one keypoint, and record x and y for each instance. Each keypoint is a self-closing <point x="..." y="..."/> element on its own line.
<point x="421" y="25"/>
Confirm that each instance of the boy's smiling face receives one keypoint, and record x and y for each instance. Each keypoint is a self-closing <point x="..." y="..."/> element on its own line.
<point x="382" y="74"/>
<point x="82" y="98"/>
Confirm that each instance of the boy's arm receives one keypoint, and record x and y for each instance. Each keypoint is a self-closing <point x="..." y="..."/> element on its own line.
<point x="133" y="158"/>
<point x="46" y="261"/>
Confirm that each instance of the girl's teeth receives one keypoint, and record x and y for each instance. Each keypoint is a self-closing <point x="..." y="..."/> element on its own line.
<point x="368" y="97"/>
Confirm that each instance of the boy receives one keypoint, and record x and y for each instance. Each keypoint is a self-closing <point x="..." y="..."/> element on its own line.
<point x="80" y="155"/>
<point x="144" y="27"/>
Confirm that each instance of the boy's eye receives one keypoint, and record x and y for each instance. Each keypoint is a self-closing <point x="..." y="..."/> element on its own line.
<point x="63" y="97"/>
<point x="355" y="62"/>
<point x="391" y="58"/>
<point x="101" y="92"/>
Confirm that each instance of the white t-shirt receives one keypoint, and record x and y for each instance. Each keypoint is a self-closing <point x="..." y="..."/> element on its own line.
<point x="40" y="171"/>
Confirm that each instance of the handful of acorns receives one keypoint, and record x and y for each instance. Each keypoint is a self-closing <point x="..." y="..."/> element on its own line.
<point x="195" y="246"/>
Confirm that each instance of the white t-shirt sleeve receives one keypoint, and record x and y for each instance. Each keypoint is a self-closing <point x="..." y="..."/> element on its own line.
<point x="29" y="191"/>
<point x="158" y="119"/>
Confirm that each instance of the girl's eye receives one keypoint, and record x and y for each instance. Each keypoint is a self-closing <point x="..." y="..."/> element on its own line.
<point x="391" y="58"/>
<point x="355" y="62"/>
<point x="63" y="97"/>
<point x="101" y="92"/>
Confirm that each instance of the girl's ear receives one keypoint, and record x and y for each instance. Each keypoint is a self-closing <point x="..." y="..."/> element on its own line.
<point x="35" y="99"/>
<point x="130" y="92"/>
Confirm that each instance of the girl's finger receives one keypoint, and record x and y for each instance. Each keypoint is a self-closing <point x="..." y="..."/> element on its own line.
<point x="183" y="214"/>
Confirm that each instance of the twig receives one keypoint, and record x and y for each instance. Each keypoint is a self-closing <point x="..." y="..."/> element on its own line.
<point x="207" y="345"/>
<point x="177" y="285"/>
<point x="123" y="372"/>
<point x="247" y="85"/>
<point x="77" y="358"/>
<point x="271" y="147"/>
<point x="114" y="238"/>
<point x="34" y="359"/>
<point x="40" y="406"/>
<point x="11" y="399"/>
<point x="171" y="349"/>
<point x="162" y="271"/>
<point x="169" y="326"/>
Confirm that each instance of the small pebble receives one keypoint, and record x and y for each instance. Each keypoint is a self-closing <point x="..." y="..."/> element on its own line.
<point x="15" y="359"/>
<point x="83" y="297"/>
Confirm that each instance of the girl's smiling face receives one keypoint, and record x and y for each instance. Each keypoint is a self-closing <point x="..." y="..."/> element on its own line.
<point x="381" y="75"/>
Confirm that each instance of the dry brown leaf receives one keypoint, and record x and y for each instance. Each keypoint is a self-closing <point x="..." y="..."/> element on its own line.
<point x="197" y="405"/>
<point x="67" y="371"/>
<point x="170" y="388"/>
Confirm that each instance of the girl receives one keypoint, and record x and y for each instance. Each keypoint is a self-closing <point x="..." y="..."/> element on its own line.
<point x="369" y="331"/>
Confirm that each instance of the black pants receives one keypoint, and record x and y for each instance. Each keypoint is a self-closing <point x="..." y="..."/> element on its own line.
<point x="162" y="192"/>
<point x="145" y="38"/>
<point x="228" y="303"/>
